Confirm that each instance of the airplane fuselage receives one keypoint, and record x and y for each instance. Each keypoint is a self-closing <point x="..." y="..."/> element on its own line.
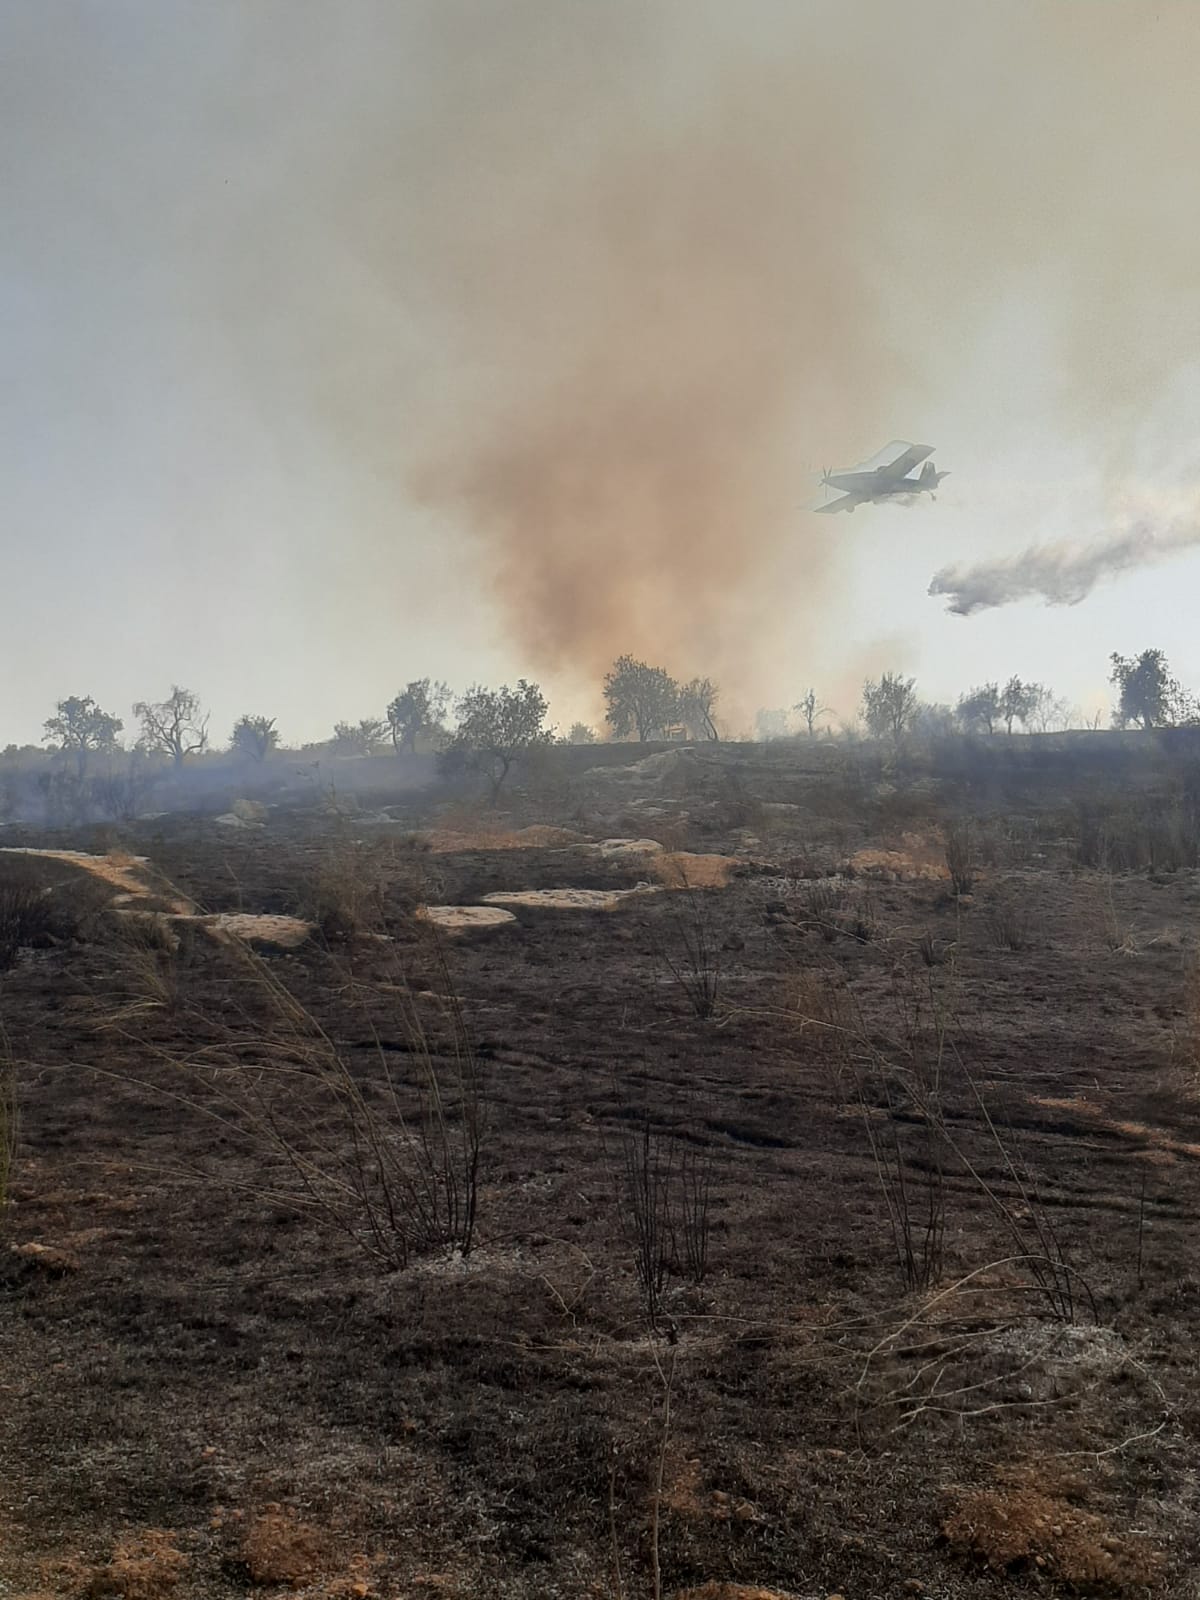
<point x="887" y="481"/>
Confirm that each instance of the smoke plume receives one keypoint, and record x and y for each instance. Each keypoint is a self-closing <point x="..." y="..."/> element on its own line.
<point x="1064" y="573"/>
<point x="539" y="320"/>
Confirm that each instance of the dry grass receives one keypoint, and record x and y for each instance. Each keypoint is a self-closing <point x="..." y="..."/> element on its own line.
<point x="8" y="1124"/>
<point x="1022" y="1527"/>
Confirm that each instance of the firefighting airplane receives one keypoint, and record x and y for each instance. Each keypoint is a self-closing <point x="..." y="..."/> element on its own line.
<point x="885" y="477"/>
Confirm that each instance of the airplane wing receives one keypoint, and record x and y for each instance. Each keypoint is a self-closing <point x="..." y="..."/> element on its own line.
<point x="901" y="464"/>
<point x="846" y="502"/>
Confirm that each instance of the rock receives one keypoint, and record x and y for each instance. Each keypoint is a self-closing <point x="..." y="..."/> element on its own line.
<point x="620" y="849"/>
<point x="566" y="899"/>
<point x="269" y="932"/>
<point x="458" y="920"/>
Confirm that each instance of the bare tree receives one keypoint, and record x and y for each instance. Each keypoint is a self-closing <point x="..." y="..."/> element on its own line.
<point x="255" y="737"/>
<point x="80" y="727"/>
<point x="695" y="704"/>
<point x="641" y="699"/>
<point x="889" y="705"/>
<point x="418" y="709"/>
<point x="810" y="708"/>
<point x="176" y="726"/>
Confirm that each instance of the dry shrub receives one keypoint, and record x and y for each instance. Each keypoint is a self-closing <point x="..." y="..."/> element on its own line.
<point x="960" y="857"/>
<point x="145" y="1566"/>
<point x="8" y="1124"/>
<point x="25" y="919"/>
<point x="1017" y="1527"/>
<point x="278" y="1548"/>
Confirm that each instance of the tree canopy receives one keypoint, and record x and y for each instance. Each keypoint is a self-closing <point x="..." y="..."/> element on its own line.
<point x="418" y="709"/>
<point x="494" y="727"/>
<point x="255" y="737"/>
<point x="1148" y="694"/>
<point x="80" y="727"/>
<point x="889" y="705"/>
<point x="641" y="699"/>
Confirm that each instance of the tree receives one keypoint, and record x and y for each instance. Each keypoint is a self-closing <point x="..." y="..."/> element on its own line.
<point x="417" y="709"/>
<point x="255" y="737"/>
<point x="581" y="734"/>
<point x="363" y="738"/>
<point x="889" y="705"/>
<point x="932" y="720"/>
<point x="494" y="727"/>
<point x="1148" y="692"/>
<point x="810" y="709"/>
<point x="175" y="726"/>
<point x="79" y="726"/>
<point x="770" y="724"/>
<point x="1018" y="701"/>
<point x="980" y="709"/>
<point x="695" y="703"/>
<point x="640" y="699"/>
<point x="1046" y="709"/>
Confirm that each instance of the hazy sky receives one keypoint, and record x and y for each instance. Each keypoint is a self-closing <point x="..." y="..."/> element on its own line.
<point x="348" y="343"/>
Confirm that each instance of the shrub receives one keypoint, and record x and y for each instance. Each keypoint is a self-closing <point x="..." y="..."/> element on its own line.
<point x="959" y="857"/>
<point x="25" y="919"/>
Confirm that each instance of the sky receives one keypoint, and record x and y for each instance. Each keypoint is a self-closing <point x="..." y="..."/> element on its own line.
<point x="343" y="345"/>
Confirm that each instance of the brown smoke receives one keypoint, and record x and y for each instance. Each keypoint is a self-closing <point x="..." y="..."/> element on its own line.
<point x="669" y="269"/>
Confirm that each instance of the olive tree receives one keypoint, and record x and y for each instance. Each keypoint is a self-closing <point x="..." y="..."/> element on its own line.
<point x="418" y="709"/>
<point x="255" y="737"/>
<point x="889" y="705"/>
<point x="79" y="727"/>
<point x="641" y="699"/>
<point x="1148" y="693"/>
<point x="494" y="727"/>
<point x="365" y="738"/>
<point x="980" y="709"/>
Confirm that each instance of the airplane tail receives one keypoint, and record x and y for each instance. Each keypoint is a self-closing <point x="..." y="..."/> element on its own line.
<point x="931" y="477"/>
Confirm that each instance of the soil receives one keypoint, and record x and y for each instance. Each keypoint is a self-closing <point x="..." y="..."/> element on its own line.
<point x="216" y="1380"/>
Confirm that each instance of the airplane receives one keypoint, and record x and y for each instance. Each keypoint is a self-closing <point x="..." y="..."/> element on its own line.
<point x="885" y="477"/>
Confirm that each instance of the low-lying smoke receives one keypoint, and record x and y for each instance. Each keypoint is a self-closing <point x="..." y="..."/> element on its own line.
<point x="1063" y="573"/>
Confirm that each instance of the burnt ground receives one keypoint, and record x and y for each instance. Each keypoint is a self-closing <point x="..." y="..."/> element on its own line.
<point x="193" y="1346"/>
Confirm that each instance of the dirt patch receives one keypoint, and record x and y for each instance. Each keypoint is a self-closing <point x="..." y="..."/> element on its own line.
<point x="917" y="859"/>
<point x="1020" y="1527"/>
